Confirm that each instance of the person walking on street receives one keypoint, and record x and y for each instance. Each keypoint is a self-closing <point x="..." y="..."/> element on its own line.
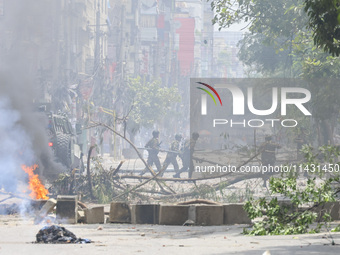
<point x="171" y="156"/>
<point x="187" y="154"/>
<point x="153" y="149"/>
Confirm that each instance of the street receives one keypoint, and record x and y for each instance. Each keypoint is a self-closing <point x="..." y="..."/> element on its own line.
<point x="17" y="236"/>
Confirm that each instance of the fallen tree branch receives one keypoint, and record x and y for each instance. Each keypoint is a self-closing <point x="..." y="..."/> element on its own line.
<point x="3" y="200"/>
<point x="11" y="195"/>
<point x="189" y="179"/>
<point x="187" y="194"/>
<point x="140" y="156"/>
<point x="118" y="167"/>
<point x="134" y="192"/>
<point x="215" y="186"/>
<point x="198" y="201"/>
<point x="137" y="186"/>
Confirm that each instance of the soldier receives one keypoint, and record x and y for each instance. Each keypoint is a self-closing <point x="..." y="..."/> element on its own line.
<point x="268" y="156"/>
<point x="186" y="155"/>
<point x="153" y="148"/>
<point x="172" y="155"/>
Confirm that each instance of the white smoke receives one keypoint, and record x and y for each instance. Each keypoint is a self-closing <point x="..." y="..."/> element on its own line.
<point x="15" y="148"/>
<point x="23" y="136"/>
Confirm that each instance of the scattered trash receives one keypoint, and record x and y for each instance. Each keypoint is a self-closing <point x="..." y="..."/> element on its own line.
<point x="100" y="228"/>
<point x="55" y="234"/>
<point x="142" y="234"/>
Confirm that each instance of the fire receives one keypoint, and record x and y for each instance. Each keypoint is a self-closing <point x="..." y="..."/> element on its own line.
<point x="35" y="185"/>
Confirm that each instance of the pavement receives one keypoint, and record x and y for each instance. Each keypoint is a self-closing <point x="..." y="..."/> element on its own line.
<point x="17" y="236"/>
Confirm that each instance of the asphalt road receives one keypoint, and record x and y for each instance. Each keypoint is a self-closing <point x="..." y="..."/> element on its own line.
<point x="17" y="236"/>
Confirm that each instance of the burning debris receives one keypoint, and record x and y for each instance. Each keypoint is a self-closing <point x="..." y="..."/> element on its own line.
<point x="38" y="191"/>
<point x="55" y="234"/>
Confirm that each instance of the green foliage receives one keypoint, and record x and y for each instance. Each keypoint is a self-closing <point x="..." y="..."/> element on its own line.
<point x="336" y="229"/>
<point x="104" y="184"/>
<point x="262" y="16"/>
<point x="273" y="29"/>
<point x="284" y="219"/>
<point x="280" y="45"/>
<point x="278" y="220"/>
<point x="279" y="42"/>
<point x="324" y="20"/>
<point x="150" y="101"/>
<point x="284" y="19"/>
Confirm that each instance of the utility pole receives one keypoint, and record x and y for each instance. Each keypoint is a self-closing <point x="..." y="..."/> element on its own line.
<point x="97" y="57"/>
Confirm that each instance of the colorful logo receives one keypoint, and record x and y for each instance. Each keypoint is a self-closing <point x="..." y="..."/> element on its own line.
<point x="209" y="93"/>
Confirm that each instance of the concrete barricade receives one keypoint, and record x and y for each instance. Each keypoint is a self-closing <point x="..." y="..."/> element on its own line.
<point x="67" y="207"/>
<point x="120" y="213"/>
<point x="45" y="210"/>
<point x="94" y="215"/>
<point x="206" y="215"/>
<point x="287" y="204"/>
<point x="332" y="208"/>
<point x="173" y="214"/>
<point x="235" y="214"/>
<point x="145" y="214"/>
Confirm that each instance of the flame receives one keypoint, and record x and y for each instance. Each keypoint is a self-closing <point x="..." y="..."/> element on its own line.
<point x="35" y="185"/>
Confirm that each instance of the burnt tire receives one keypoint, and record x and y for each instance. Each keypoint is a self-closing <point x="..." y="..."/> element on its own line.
<point x="64" y="149"/>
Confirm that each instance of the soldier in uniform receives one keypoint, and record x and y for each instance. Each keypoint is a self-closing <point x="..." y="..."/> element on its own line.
<point x="172" y="155"/>
<point x="153" y="148"/>
<point x="186" y="155"/>
<point x="268" y="157"/>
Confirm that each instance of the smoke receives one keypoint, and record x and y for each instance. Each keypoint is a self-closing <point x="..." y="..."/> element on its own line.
<point x="13" y="140"/>
<point x="23" y="133"/>
<point x="23" y="137"/>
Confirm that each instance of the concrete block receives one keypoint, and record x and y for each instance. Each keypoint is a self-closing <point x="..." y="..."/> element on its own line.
<point x="120" y="213"/>
<point x="206" y="215"/>
<point x="332" y="208"/>
<point x="288" y="205"/>
<point x="235" y="214"/>
<point x="45" y="209"/>
<point x="38" y="204"/>
<point x="145" y="214"/>
<point x="173" y="214"/>
<point x="94" y="215"/>
<point x="67" y="209"/>
<point x="81" y="216"/>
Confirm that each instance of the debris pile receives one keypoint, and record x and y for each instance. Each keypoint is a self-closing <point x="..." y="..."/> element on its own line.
<point x="55" y="234"/>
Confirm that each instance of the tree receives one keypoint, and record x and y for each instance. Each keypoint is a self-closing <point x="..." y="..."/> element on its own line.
<point x="280" y="45"/>
<point x="150" y="103"/>
<point x="324" y="20"/>
<point x="296" y="218"/>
